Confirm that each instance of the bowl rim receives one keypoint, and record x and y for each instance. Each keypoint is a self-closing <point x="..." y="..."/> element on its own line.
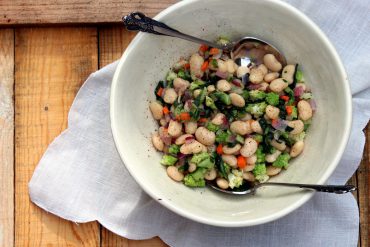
<point x="305" y="197"/>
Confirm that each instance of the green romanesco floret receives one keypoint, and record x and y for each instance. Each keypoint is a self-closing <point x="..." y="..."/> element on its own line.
<point x="297" y="137"/>
<point x="196" y="84"/>
<point x="235" y="178"/>
<point x="201" y="97"/>
<point x="195" y="179"/>
<point x="197" y="158"/>
<point x="171" y="76"/>
<point x="259" y="172"/>
<point x="260" y="155"/>
<point x="174" y="149"/>
<point x="257" y="109"/>
<point x="223" y="40"/>
<point x="207" y="163"/>
<point x="282" y="160"/>
<point x="255" y="95"/>
<point x="272" y="98"/>
<point x="222" y="136"/>
<point x="212" y="127"/>
<point x="223" y="97"/>
<point x="168" y="160"/>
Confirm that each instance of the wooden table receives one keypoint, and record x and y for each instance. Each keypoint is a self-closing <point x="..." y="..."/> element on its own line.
<point x="41" y="69"/>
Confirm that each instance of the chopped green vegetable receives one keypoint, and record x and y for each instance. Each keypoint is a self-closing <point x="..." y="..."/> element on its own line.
<point x="306" y="96"/>
<point x="222" y="167"/>
<point x="282" y="160"/>
<point x="195" y="179"/>
<point x="223" y="40"/>
<point x="184" y="74"/>
<point x="258" y="138"/>
<point x="272" y="98"/>
<point x="239" y="139"/>
<point x="174" y="149"/>
<point x="245" y="94"/>
<point x="260" y="155"/>
<point x="171" y="76"/>
<point x="223" y="97"/>
<point x="201" y="97"/>
<point x="299" y="75"/>
<point x="184" y="167"/>
<point x="255" y="95"/>
<point x="212" y="127"/>
<point x="196" y="84"/>
<point x="168" y="160"/>
<point x="197" y="158"/>
<point x="214" y="63"/>
<point x="210" y="103"/>
<point x="297" y="137"/>
<point x="235" y="178"/>
<point x="207" y="163"/>
<point x="222" y="136"/>
<point x="259" y="169"/>
<point x="257" y="109"/>
<point x="290" y="93"/>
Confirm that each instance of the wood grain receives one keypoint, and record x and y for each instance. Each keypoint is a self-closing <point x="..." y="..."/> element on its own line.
<point x="112" y="42"/>
<point x="50" y="66"/>
<point x="6" y="137"/>
<point x="15" y="12"/>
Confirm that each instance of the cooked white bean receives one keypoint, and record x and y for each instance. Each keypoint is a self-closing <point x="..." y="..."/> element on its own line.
<point x="263" y="68"/>
<point x="157" y="141"/>
<point x="271" y="76"/>
<point x="249" y="167"/>
<point x="222" y="67"/>
<point x="256" y="127"/>
<point x="288" y="73"/>
<point x="163" y="122"/>
<point x="304" y="110"/>
<point x="297" y="125"/>
<point x="249" y="148"/>
<point x="181" y="139"/>
<point x="190" y="127"/>
<point x="272" y="157"/>
<point x="157" y="109"/>
<point x="222" y="183"/>
<point x="210" y="174"/>
<point x="272" y="170"/>
<point x="248" y="176"/>
<point x="279" y="146"/>
<point x="252" y="159"/>
<point x="193" y="147"/>
<point x="230" y="64"/>
<point x="246" y="117"/>
<point x="231" y="150"/>
<point x="211" y="88"/>
<point x="205" y="136"/>
<point x="196" y="61"/>
<point x="174" y="128"/>
<point x="230" y="160"/>
<point x="223" y="85"/>
<point x="272" y="63"/>
<point x="272" y="112"/>
<point x="196" y="92"/>
<point x="242" y="70"/>
<point x="204" y="149"/>
<point x="192" y="167"/>
<point x="297" y="149"/>
<point x="256" y="76"/>
<point x="237" y="100"/>
<point x="219" y="119"/>
<point x="240" y="127"/>
<point x="180" y="85"/>
<point x="263" y="86"/>
<point x="278" y="85"/>
<point x="170" y="95"/>
<point x="174" y="173"/>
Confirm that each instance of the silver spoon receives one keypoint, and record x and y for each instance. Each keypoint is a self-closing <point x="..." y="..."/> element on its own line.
<point x="250" y="188"/>
<point x="246" y="50"/>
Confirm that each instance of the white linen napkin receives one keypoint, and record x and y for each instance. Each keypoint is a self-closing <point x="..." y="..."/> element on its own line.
<point x="82" y="178"/>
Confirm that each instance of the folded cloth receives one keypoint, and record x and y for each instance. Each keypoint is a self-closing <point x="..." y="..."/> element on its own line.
<point x="82" y="178"/>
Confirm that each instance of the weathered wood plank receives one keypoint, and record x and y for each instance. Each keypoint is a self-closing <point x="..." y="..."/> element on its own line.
<point x="112" y="42"/>
<point x="15" y="12"/>
<point x="50" y="65"/>
<point x="6" y="137"/>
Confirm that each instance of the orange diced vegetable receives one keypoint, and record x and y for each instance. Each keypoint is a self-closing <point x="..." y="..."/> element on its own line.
<point x="289" y="109"/>
<point x="219" y="149"/>
<point x="242" y="162"/>
<point x="214" y="51"/>
<point x="165" y="110"/>
<point x="274" y="121"/>
<point x="184" y="116"/>
<point x="203" y="48"/>
<point x="160" y="91"/>
<point x="203" y="120"/>
<point x="204" y="66"/>
<point x="285" y="98"/>
<point x="187" y="66"/>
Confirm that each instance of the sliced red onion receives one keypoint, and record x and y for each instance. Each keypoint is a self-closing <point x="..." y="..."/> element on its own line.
<point x="187" y="95"/>
<point x="298" y="91"/>
<point x="232" y="138"/>
<point x="225" y="123"/>
<point x="313" y="104"/>
<point x="237" y="82"/>
<point x="253" y="86"/>
<point x="189" y="139"/>
<point x="168" y="117"/>
<point x="181" y="156"/>
<point x="222" y="75"/>
<point x="279" y="124"/>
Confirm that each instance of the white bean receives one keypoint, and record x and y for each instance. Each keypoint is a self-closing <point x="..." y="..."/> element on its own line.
<point x="246" y="117"/>
<point x="249" y="148"/>
<point x="170" y="95"/>
<point x="180" y="85"/>
<point x="174" y="173"/>
<point x="193" y="147"/>
<point x="211" y="88"/>
<point x="237" y="100"/>
<point x="230" y="160"/>
<point x="272" y="112"/>
<point x="288" y="73"/>
<point x="223" y="85"/>
<point x="297" y="125"/>
<point x="230" y="64"/>
<point x="240" y="127"/>
<point x="157" y="141"/>
<point x="163" y="122"/>
<point x="248" y="176"/>
<point x="210" y="174"/>
<point x="272" y="157"/>
<point x="219" y="119"/>
<point x="271" y="76"/>
<point x="222" y="67"/>
<point x="272" y="63"/>
<point x="272" y="170"/>
<point x="263" y="68"/>
<point x="196" y="61"/>
<point x="249" y="167"/>
<point x="256" y="127"/>
<point x="190" y="127"/>
<point x="196" y="92"/>
<point x="192" y="167"/>
<point x="156" y="109"/>
<point x="278" y="85"/>
<point x="205" y="136"/>
<point x="304" y="110"/>
<point x="242" y="70"/>
<point x="181" y="139"/>
<point x="222" y="183"/>
<point x="231" y="150"/>
<point x="256" y="76"/>
<point x="174" y="128"/>
<point x="252" y="159"/>
<point x="279" y="146"/>
<point x="297" y="149"/>
<point x="263" y="86"/>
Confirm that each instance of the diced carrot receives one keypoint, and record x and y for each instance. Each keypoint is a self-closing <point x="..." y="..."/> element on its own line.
<point x="204" y="66"/>
<point x="160" y="91"/>
<point x="185" y="116"/>
<point x="242" y="162"/>
<point x="214" y="51"/>
<point x="274" y="121"/>
<point x="219" y="149"/>
<point x="285" y="98"/>
<point x="289" y="109"/>
<point x="165" y="110"/>
<point x="187" y="66"/>
<point x="203" y="48"/>
<point x="202" y="120"/>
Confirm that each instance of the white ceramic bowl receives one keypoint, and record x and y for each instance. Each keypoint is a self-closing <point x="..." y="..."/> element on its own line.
<point x="147" y="60"/>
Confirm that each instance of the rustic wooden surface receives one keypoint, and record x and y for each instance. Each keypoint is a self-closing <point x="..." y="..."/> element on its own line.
<point x="17" y="12"/>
